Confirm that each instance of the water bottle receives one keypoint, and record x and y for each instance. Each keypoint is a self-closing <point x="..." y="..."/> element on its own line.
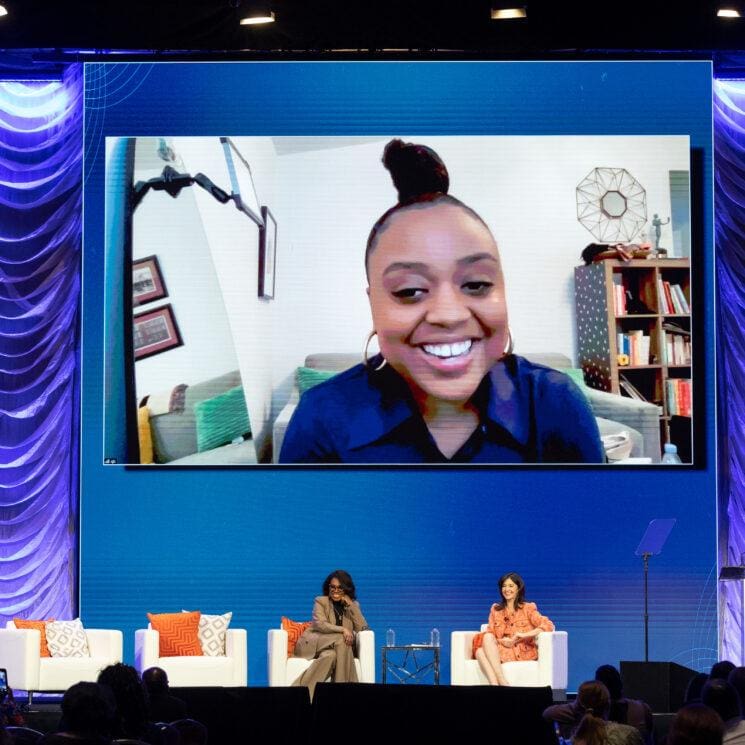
<point x="434" y="638"/>
<point x="671" y="457"/>
<point x="390" y="638"/>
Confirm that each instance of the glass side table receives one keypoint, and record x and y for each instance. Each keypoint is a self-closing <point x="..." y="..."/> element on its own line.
<point x="411" y="663"/>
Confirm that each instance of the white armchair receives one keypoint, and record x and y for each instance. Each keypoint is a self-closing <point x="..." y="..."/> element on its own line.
<point x="550" y="669"/>
<point x="283" y="669"/>
<point x="29" y="671"/>
<point x="227" y="671"/>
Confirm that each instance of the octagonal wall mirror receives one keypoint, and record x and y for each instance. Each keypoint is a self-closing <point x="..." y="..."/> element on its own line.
<point x="611" y="204"/>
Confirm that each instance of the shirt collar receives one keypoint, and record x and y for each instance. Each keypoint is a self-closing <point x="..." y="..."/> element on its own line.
<point x="388" y="403"/>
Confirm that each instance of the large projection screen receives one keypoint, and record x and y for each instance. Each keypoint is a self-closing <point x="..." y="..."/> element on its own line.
<point x="425" y="545"/>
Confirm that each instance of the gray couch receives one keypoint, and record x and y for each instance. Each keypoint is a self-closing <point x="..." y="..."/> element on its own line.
<point x="175" y="433"/>
<point x="614" y="413"/>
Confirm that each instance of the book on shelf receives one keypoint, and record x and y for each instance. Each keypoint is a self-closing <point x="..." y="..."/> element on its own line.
<point x="678" y="395"/>
<point x="672" y="299"/>
<point x="682" y="303"/>
<point x="635" y="344"/>
<point x="676" y="344"/>
<point x="619" y="300"/>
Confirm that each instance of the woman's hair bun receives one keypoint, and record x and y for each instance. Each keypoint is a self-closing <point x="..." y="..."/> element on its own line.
<point x="415" y="170"/>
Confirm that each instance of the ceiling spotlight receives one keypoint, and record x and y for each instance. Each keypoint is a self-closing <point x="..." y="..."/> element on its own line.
<point x="728" y="13"/>
<point x="3" y="10"/>
<point x="504" y="12"/>
<point x="257" y="17"/>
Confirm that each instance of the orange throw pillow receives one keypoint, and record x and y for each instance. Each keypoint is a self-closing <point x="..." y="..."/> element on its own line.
<point x="179" y="633"/>
<point x="22" y="623"/>
<point x="294" y="631"/>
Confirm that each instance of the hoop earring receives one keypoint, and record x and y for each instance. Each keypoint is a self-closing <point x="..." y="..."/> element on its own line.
<point x="365" y="356"/>
<point x="509" y="346"/>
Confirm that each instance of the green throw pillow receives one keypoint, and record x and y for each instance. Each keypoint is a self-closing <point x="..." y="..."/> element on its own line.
<point x="307" y="377"/>
<point x="221" y="419"/>
<point x="576" y="374"/>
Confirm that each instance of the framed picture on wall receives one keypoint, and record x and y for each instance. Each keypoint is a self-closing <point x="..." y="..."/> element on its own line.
<point x="267" y="254"/>
<point x="147" y="281"/>
<point x="155" y="331"/>
<point x="241" y="181"/>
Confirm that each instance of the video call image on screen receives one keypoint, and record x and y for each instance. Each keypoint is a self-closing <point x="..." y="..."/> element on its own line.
<point x="242" y="260"/>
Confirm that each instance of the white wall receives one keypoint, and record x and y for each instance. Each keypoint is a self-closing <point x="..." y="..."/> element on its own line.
<point x="234" y="245"/>
<point x="172" y="230"/>
<point x="524" y="188"/>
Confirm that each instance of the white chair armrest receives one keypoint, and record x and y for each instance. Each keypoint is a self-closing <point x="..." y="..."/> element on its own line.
<point x="147" y="648"/>
<point x="553" y="658"/>
<point x="19" y="655"/>
<point x="105" y="643"/>
<point x="236" y="647"/>
<point x="461" y="643"/>
<point x="366" y="655"/>
<point x="276" y="648"/>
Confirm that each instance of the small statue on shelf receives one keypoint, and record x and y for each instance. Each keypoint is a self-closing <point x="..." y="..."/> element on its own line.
<point x="657" y="225"/>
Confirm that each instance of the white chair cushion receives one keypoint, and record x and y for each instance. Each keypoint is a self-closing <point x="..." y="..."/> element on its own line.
<point x="197" y="671"/>
<point x="59" y="673"/>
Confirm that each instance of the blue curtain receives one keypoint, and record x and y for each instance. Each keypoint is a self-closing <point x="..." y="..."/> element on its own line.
<point x="729" y="152"/>
<point x="40" y="240"/>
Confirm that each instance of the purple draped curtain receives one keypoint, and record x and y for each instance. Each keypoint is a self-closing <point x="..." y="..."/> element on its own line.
<point x="41" y="146"/>
<point x="729" y="151"/>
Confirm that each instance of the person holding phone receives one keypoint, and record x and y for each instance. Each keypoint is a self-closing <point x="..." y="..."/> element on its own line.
<point x="445" y="387"/>
<point x="514" y="624"/>
<point x="10" y="712"/>
<point x="329" y="641"/>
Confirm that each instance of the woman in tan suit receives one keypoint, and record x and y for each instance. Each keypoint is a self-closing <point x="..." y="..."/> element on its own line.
<point x="329" y="641"/>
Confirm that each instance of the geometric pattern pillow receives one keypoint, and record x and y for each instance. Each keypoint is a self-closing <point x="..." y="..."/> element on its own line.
<point x="294" y="631"/>
<point x="67" y="639"/>
<point x="40" y="626"/>
<point x="212" y="633"/>
<point x="178" y="633"/>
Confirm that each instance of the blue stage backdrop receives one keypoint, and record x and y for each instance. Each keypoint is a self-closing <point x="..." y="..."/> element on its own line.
<point x="424" y="545"/>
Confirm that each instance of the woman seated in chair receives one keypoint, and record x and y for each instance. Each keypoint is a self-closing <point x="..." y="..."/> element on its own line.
<point x="514" y="624"/>
<point x="329" y="641"/>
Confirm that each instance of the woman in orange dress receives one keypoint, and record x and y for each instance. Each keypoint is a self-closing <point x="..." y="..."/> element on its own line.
<point x="513" y="626"/>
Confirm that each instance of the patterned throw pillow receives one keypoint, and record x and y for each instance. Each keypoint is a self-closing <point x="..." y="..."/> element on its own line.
<point x="67" y="639"/>
<point x="294" y="631"/>
<point x="178" y="633"/>
<point x="40" y="626"/>
<point x="212" y="630"/>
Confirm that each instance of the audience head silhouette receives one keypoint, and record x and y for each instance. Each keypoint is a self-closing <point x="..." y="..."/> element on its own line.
<point x="611" y="679"/>
<point x="155" y="680"/>
<point x="721" y="669"/>
<point x="129" y="695"/>
<point x="696" y="724"/>
<point x="87" y="710"/>
<point x="721" y="696"/>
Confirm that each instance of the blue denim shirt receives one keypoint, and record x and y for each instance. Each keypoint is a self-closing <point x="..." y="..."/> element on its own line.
<point x="528" y="414"/>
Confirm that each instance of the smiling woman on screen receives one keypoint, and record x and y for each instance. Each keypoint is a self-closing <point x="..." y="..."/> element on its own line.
<point x="445" y="387"/>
